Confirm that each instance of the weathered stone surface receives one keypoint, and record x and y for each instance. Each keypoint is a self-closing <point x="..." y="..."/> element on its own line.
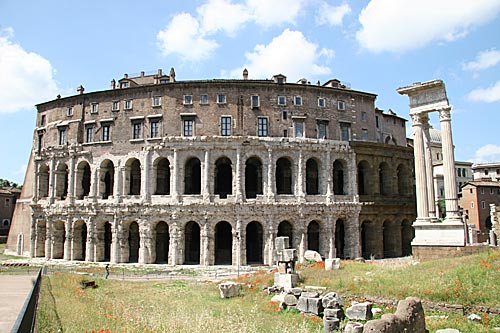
<point x="314" y="306"/>
<point x="302" y="304"/>
<point x="360" y="311"/>
<point x="295" y="291"/>
<point x="332" y="300"/>
<point x="330" y="324"/>
<point x="448" y="330"/>
<point x="313" y="256"/>
<point x="281" y="243"/>
<point x="290" y="299"/>
<point x="229" y="289"/>
<point x="333" y="313"/>
<point x="309" y="294"/>
<point x="331" y="264"/>
<point x="279" y="298"/>
<point x="290" y="255"/>
<point x="353" y="327"/>
<point x="286" y="280"/>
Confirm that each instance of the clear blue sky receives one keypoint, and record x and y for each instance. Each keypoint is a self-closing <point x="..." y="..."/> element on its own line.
<point x="50" y="47"/>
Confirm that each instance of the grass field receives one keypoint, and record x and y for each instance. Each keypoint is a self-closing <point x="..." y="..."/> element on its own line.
<point x="194" y="306"/>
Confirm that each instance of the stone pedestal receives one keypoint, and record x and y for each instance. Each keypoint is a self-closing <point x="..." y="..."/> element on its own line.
<point x="286" y="280"/>
<point x="438" y="234"/>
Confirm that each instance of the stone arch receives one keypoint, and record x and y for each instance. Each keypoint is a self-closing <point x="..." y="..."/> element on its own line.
<point x="312" y="177"/>
<point x="339" y="177"/>
<point x="61" y="181"/>
<point x="104" y="240"/>
<point x="134" y="242"/>
<point x="253" y="177"/>
<point x="223" y="177"/>
<point x="192" y="243"/>
<point x="392" y="239"/>
<point x="162" y="242"/>
<point x="285" y="228"/>
<point x="192" y="176"/>
<point x="41" y="234"/>
<point x="58" y="239"/>
<point x="79" y="247"/>
<point x="313" y="232"/>
<point x="364" y="178"/>
<point x="384" y="179"/>
<point x="340" y="238"/>
<point x="107" y="178"/>
<point x="83" y="177"/>
<point x="161" y="171"/>
<point x="133" y="176"/>
<point x="254" y="240"/>
<point x="407" y="235"/>
<point x="368" y="240"/>
<point x="43" y="181"/>
<point x="403" y="180"/>
<point x="223" y="243"/>
<point x="284" y="181"/>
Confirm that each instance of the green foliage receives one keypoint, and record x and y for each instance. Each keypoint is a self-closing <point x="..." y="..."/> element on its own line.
<point x="7" y="183"/>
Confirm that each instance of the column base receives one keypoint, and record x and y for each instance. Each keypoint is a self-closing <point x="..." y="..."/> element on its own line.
<point x="449" y="233"/>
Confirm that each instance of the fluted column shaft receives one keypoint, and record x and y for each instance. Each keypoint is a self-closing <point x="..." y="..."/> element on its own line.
<point x="431" y="198"/>
<point x="420" y="170"/>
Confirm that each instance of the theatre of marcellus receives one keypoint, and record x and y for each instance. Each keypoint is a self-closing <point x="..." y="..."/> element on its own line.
<point x="210" y="172"/>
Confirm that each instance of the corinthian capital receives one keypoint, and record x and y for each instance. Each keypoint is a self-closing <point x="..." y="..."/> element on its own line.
<point x="445" y="114"/>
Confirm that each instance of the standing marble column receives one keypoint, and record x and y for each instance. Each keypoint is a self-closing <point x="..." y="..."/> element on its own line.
<point x="420" y="171"/>
<point x="429" y="172"/>
<point x="450" y="183"/>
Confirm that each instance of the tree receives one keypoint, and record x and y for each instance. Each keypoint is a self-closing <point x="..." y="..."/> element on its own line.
<point x="8" y="183"/>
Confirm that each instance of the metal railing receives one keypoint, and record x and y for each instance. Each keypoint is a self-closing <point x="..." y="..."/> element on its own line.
<point x="26" y="319"/>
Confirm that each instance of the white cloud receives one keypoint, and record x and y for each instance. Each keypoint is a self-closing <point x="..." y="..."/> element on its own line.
<point x="487" y="153"/>
<point x="223" y="15"/>
<point x="289" y="54"/>
<point x="332" y="15"/>
<point x="26" y="78"/>
<point x="402" y="25"/>
<point x="183" y="37"/>
<point x="489" y="95"/>
<point x="484" y="60"/>
<point x="268" y="13"/>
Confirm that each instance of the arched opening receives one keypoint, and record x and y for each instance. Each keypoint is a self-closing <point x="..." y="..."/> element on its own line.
<point x="103" y="241"/>
<point x="384" y="179"/>
<point x="62" y="181"/>
<point x="407" y="235"/>
<point x="162" y="242"/>
<point x="192" y="176"/>
<point x="133" y="242"/>
<point x="43" y="181"/>
<point x="368" y="240"/>
<point x="82" y="180"/>
<point x="223" y="243"/>
<point x="134" y="176"/>
<point x="403" y="180"/>
<point x="192" y="243"/>
<point x="79" y="240"/>
<point x="58" y="239"/>
<point x="313" y="236"/>
<point x="338" y="178"/>
<point x="363" y="178"/>
<point x="254" y="243"/>
<point x="41" y="234"/>
<point x="107" y="241"/>
<point x="340" y="239"/>
<point x="283" y="176"/>
<point x="223" y="177"/>
<point x="392" y="239"/>
<point x="285" y="229"/>
<point x="312" y="179"/>
<point x="107" y="176"/>
<point x="162" y="176"/>
<point x="253" y="178"/>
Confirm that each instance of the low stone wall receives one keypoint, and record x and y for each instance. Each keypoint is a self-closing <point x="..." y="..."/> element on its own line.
<point x="436" y="252"/>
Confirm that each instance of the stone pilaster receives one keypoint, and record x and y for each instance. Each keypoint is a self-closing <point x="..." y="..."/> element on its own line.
<point x="115" y="242"/>
<point x="91" y="241"/>
<point x="327" y="174"/>
<point x="205" y="257"/>
<point x="52" y="176"/>
<point x="118" y="184"/>
<point x="33" y="235"/>
<point x="146" y="178"/>
<point x="236" y="244"/>
<point x="299" y="184"/>
<point x="302" y="241"/>
<point x="205" y="190"/>
<point x="71" y="180"/>
<point x="174" y="171"/>
<point x="68" y="243"/>
<point x="237" y="180"/>
<point x="270" y="176"/>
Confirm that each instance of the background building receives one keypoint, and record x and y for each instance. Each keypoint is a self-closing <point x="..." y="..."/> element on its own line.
<point x="486" y="171"/>
<point x="8" y="198"/>
<point x="156" y="170"/>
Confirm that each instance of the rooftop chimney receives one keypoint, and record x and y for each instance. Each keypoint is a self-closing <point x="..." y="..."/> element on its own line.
<point x="160" y="72"/>
<point x="142" y="73"/>
<point x="172" y="74"/>
<point x="113" y="84"/>
<point x="80" y="89"/>
<point x="125" y="75"/>
<point x="245" y="74"/>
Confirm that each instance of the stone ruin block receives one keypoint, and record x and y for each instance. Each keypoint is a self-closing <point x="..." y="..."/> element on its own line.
<point x="282" y="267"/>
<point x="286" y="280"/>
<point x="313" y="256"/>
<point x="281" y="243"/>
<point x="360" y="311"/>
<point x="311" y="305"/>
<point x="334" y="313"/>
<point x="229" y="289"/>
<point x="309" y="294"/>
<point x="290" y="300"/>
<point x="332" y="264"/>
<point x="332" y="300"/>
<point x="330" y="325"/>
<point x="353" y="327"/>
<point x="290" y="255"/>
<point x="295" y="291"/>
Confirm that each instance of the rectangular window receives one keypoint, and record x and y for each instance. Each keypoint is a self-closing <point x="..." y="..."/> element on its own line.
<point x="377" y="124"/>
<point x="297" y="100"/>
<point x="482" y="191"/>
<point x="345" y="131"/>
<point x="464" y="172"/>
<point x="124" y="84"/>
<point x="285" y="115"/>
<point x="156" y="101"/>
<point x="128" y="104"/>
<point x="221" y="99"/>
<point x="255" y="102"/>
<point x="341" y="105"/>
<point x="364" y="134"/>
<point x="483" y="204"/>
<point x="321" y="102"/>
<point x="136" y="130"/>
<point x="188" y="99"/>
<point x="40" y="141"/>
<point x="281" y="100"/>
<point x="262" y="126"/>
<point x="62" y="136"/>
<point x="472" y="204"/>
<point x="69" y="111"/>
<point x="89" y="134"/>
<point x="322" y="128"/>
<point x="187" y="127"/>
<point x="42" y="120"/>
<point x="498" y="171"/>
<point x="115" y="106"/>
<point x="486" y="172"/>
<point x="299" y="129"/>
<point x="106" y="132"/>
<point x="155" y="128"/>
<point x="363" y="116"/>
<point x="204" y="99"/>
<point x="492" y="191"/>
<point x="94" y="108"/>
<point x="285" y="133"/>
<point x="225" y="126"/>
